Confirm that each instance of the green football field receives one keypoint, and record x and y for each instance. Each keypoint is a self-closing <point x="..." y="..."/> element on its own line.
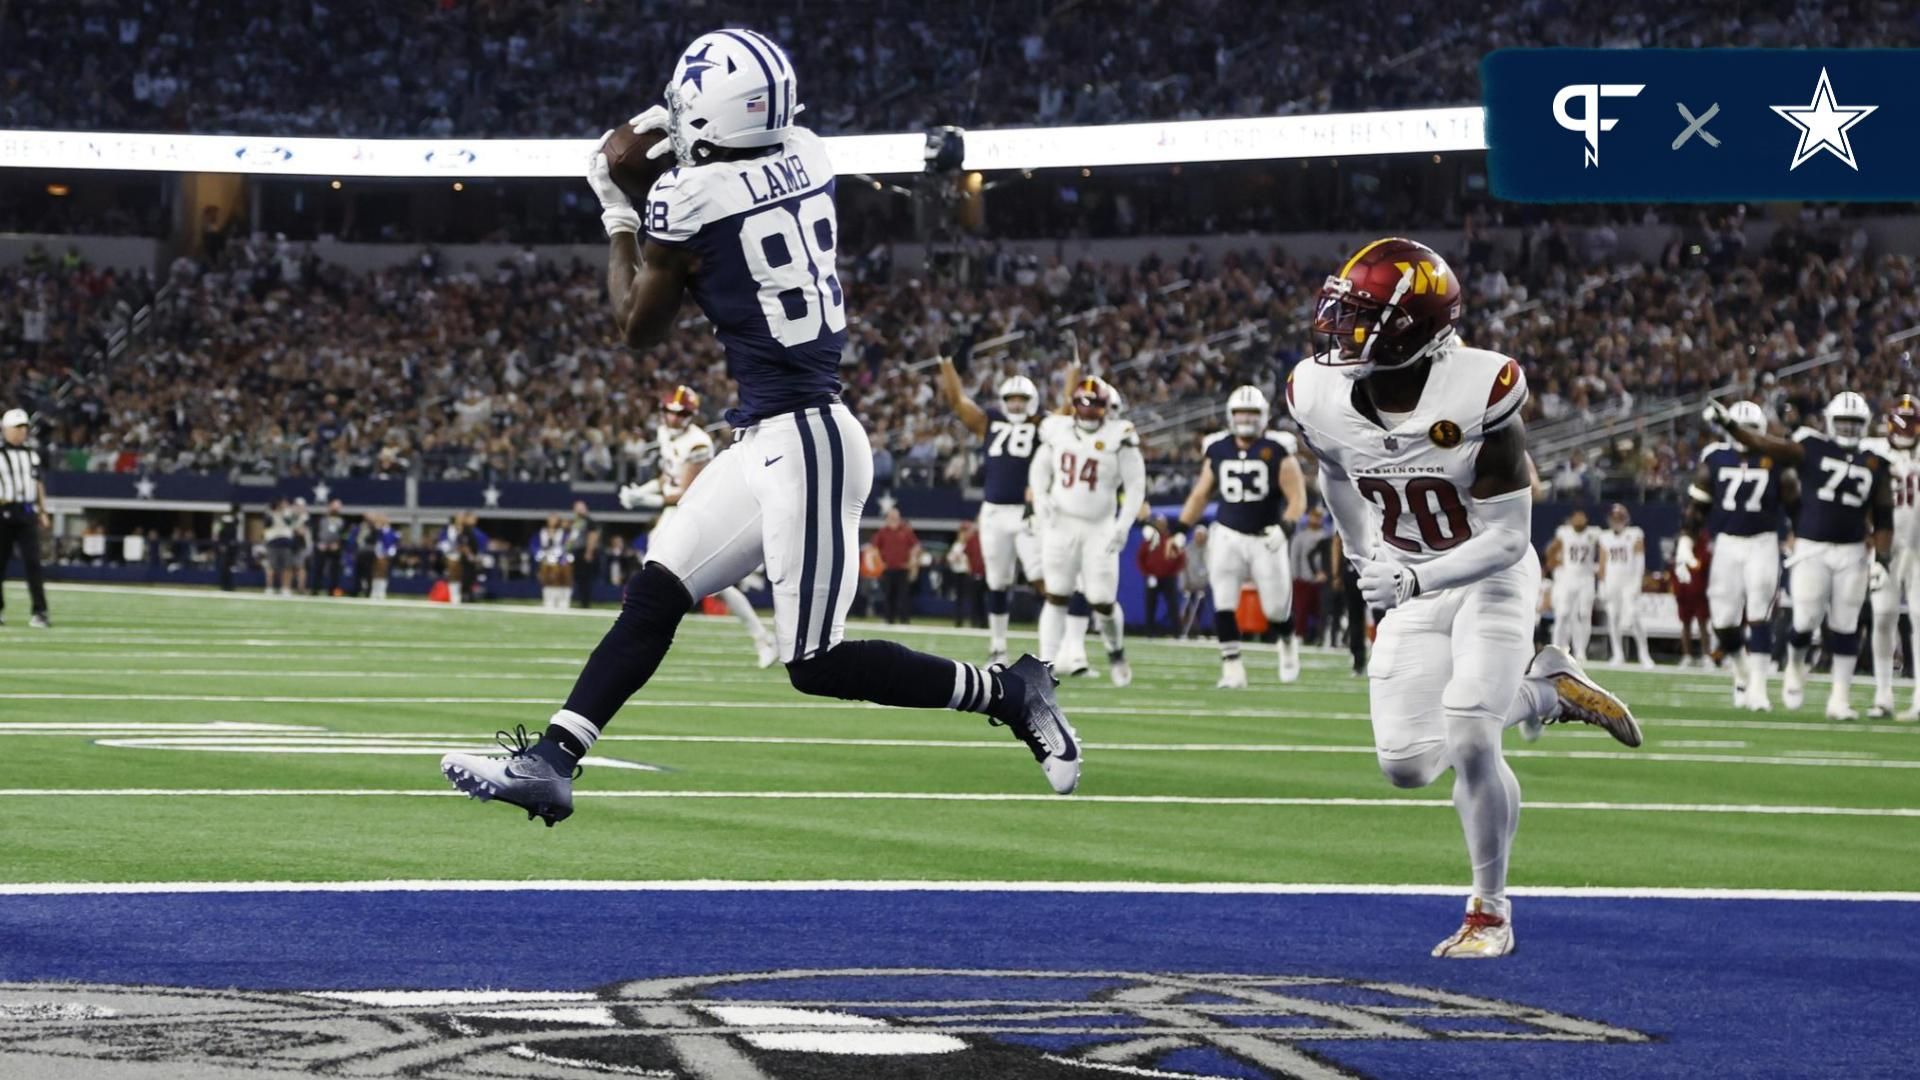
<point x="171" y="736"/>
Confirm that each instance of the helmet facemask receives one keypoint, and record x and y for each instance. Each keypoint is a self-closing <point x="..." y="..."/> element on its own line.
<point x="1361" y="335"/>
<point x="1246" y="423"/>
<point x="1089" y="410"/>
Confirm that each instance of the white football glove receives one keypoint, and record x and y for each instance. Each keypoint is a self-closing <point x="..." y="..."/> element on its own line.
<point x="1717" y="415"/>
<point x="654" y="119"/>
<point x="1386" y="584"/>
<point x="1149" y="534"/>
<point x="1683" y="561"/>
<point x="1877" y="576"/>
<point x="1275" y="538"/>
<point x="1179" y="541"/>
<point x="616" y="213"/>
<point x="642" y="496"/>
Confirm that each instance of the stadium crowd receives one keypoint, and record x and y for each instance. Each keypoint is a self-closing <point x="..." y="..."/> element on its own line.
<point x="269" y="361"/>
<point x="570" y="67"/>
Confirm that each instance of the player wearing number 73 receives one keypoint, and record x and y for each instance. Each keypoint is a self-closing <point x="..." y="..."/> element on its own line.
<point x="1423" y="462"/>
<point x="746" y="225"/>
<point x="1846" y="501"/>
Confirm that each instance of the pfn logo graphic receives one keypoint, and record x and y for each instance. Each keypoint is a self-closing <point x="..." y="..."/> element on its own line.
<point x="1590" y="123"/>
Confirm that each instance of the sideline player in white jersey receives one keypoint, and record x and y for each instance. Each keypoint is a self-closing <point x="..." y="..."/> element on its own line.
<point x="1901" y="579"/>
<point x="1262" y="496"/>
<point x="1088" y="463"/>
<point x="746" y="226"/>
<point x="1423" y="461"/>
<point x="1573" y="560"/>
<point x="1623" y="573"/>
<point x="685" y="449"/>
<point x="1844" y="529"/>
<point x="1007" y="539"/>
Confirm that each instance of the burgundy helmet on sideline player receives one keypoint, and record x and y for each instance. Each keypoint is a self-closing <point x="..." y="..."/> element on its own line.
<point x="1393" y="304"/>
<point x="1903" y="423"/>
<point x="681" y="407"/>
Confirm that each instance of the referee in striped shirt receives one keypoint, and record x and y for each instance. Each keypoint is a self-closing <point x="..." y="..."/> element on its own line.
<point x="23" y="510"/>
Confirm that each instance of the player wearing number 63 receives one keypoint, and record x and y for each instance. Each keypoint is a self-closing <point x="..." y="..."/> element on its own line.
<point x="746" y="225"/>
<point x="1423" y="461"/>
<point x="1846" y="498"/>
<point x="1087" y="462"/>
<point x="1262" y="495"/>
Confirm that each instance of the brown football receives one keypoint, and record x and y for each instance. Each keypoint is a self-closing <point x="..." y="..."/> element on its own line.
<point x="628" y="162"/>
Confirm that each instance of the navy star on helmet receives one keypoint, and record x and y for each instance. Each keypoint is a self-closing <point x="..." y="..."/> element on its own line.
<point x="733" y="88"/>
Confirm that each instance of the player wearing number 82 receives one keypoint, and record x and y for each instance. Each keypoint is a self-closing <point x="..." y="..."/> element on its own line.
<point x="1423" y="462"/>
<point x="746" y="225"/>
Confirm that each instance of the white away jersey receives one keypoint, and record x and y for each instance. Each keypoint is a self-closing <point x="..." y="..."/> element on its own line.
<point x="1086" y="464"/>
<point x="1626" y="552"/>
<point x="1579" y="553"/>
<point x="1417" y="475"/>
<point x="765" y="231"/>
<point x="1903" y="468"/>
<point x="677" y="450"/>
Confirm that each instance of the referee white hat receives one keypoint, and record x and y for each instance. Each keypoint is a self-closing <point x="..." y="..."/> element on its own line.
<point x="14" y="418"/>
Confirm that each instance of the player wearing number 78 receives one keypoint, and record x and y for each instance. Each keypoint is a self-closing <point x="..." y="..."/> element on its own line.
<point x="1423" y="462"/>
<point x="745" y="224"/>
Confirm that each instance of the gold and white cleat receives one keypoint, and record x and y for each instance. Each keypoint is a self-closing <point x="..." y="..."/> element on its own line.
<point x="1483" y="935"/>
<point x="1233" y="675"/>
<point x="1582" y="699"/>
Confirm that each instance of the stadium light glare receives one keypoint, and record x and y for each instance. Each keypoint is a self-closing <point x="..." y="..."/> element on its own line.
<point x="1260" y="138"/>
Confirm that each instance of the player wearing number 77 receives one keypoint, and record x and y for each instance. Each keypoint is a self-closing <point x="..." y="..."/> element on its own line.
<point x="1737" y="497"/>
<point x="1847" y="497"/>
<point x="1423" y="461"/>
<point x="746" y="225"/>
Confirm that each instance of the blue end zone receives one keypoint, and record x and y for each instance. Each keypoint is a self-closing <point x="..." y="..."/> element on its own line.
<point x="1599" y="987"/>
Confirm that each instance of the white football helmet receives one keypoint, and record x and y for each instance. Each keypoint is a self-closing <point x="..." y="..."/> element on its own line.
<point x="731" y="88"/>
<point x="1847" y="418"/>
<point x="1018" y="386"/>
<point x="1116" y="405"/>
<point x="1244" y="400"/>
<point x="1749" y="415"/>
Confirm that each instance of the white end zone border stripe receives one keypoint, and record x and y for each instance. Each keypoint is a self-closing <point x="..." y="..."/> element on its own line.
<point x="1196" y="888"/>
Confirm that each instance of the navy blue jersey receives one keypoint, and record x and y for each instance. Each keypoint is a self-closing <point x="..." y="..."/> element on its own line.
<point x="1247" y="481"/>
<point x="765" y="230"/>
<point x="1745" y="485"/>
<point x="1010" y="446"/>
<point x="1836" y="489"/>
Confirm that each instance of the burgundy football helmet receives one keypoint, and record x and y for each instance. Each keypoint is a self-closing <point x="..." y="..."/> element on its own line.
<point x="1394" y="303"/>
<point x="680" y="407"/>
<point x="1903" y="423"/>
<point x="1091" y="400"/>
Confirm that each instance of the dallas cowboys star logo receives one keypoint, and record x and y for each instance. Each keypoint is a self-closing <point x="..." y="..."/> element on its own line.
<point x="1823" y="125"/>
<point x="492" y="495"/>
<point x="697" y="66"/>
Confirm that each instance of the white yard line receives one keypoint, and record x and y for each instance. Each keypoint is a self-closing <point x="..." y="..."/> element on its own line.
<point x="1759" y="809"/>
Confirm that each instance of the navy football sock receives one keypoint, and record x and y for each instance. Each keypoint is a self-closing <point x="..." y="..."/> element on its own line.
<point x="1227" y="629"/>
<point x="628" y="655"/>
<point x="888" y="673"/>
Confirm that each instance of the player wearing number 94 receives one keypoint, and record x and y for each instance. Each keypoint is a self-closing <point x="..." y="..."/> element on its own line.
<point x="1423" y="462"/>
<point x="1846" y="501"/>
<point x="745" y="224"/>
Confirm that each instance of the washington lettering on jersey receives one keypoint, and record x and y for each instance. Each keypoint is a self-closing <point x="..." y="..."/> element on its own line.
<point x="1247" y="480"/>
<point x="1417" y="473"/>
<point x="1745" y="485"/>
<point x="1836" y="488"/>
<point x="765" y="232"/>
<point x="1010" y="447"/>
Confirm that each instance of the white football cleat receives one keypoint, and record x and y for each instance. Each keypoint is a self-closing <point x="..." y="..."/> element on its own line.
<point x="1911" y="716"/>
<point x="1581" y="699"/>
<point x="1842" y="711"/>
<point x="1289" y="649"/>
<point x="1881" y="710"/>
<point x="1233" y="675"/>
<point x="1119" y="670"/>
<point x="1483" y="935"/>
<point x="1647" y="664"/>
<point x="1756" y="699"/>
<point x="1793" y="685"/>
<point x="769" y="652"/>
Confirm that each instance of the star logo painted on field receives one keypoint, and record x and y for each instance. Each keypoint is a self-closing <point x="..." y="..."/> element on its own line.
<point x="697" y="65"/>
<point x="1823" y="125"/>
<point x="143" y="488"/>
<point x="492" y="495"/>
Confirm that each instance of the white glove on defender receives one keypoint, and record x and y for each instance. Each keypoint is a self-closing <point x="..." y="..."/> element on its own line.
<point x="1386" y="584"/>
<point x="1877" y="576"/>
<point x="1275" y="538"/>
<point x="642" y="496"/>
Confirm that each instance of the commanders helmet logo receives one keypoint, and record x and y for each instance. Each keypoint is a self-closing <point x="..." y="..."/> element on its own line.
<point x="1445" y="434"/>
